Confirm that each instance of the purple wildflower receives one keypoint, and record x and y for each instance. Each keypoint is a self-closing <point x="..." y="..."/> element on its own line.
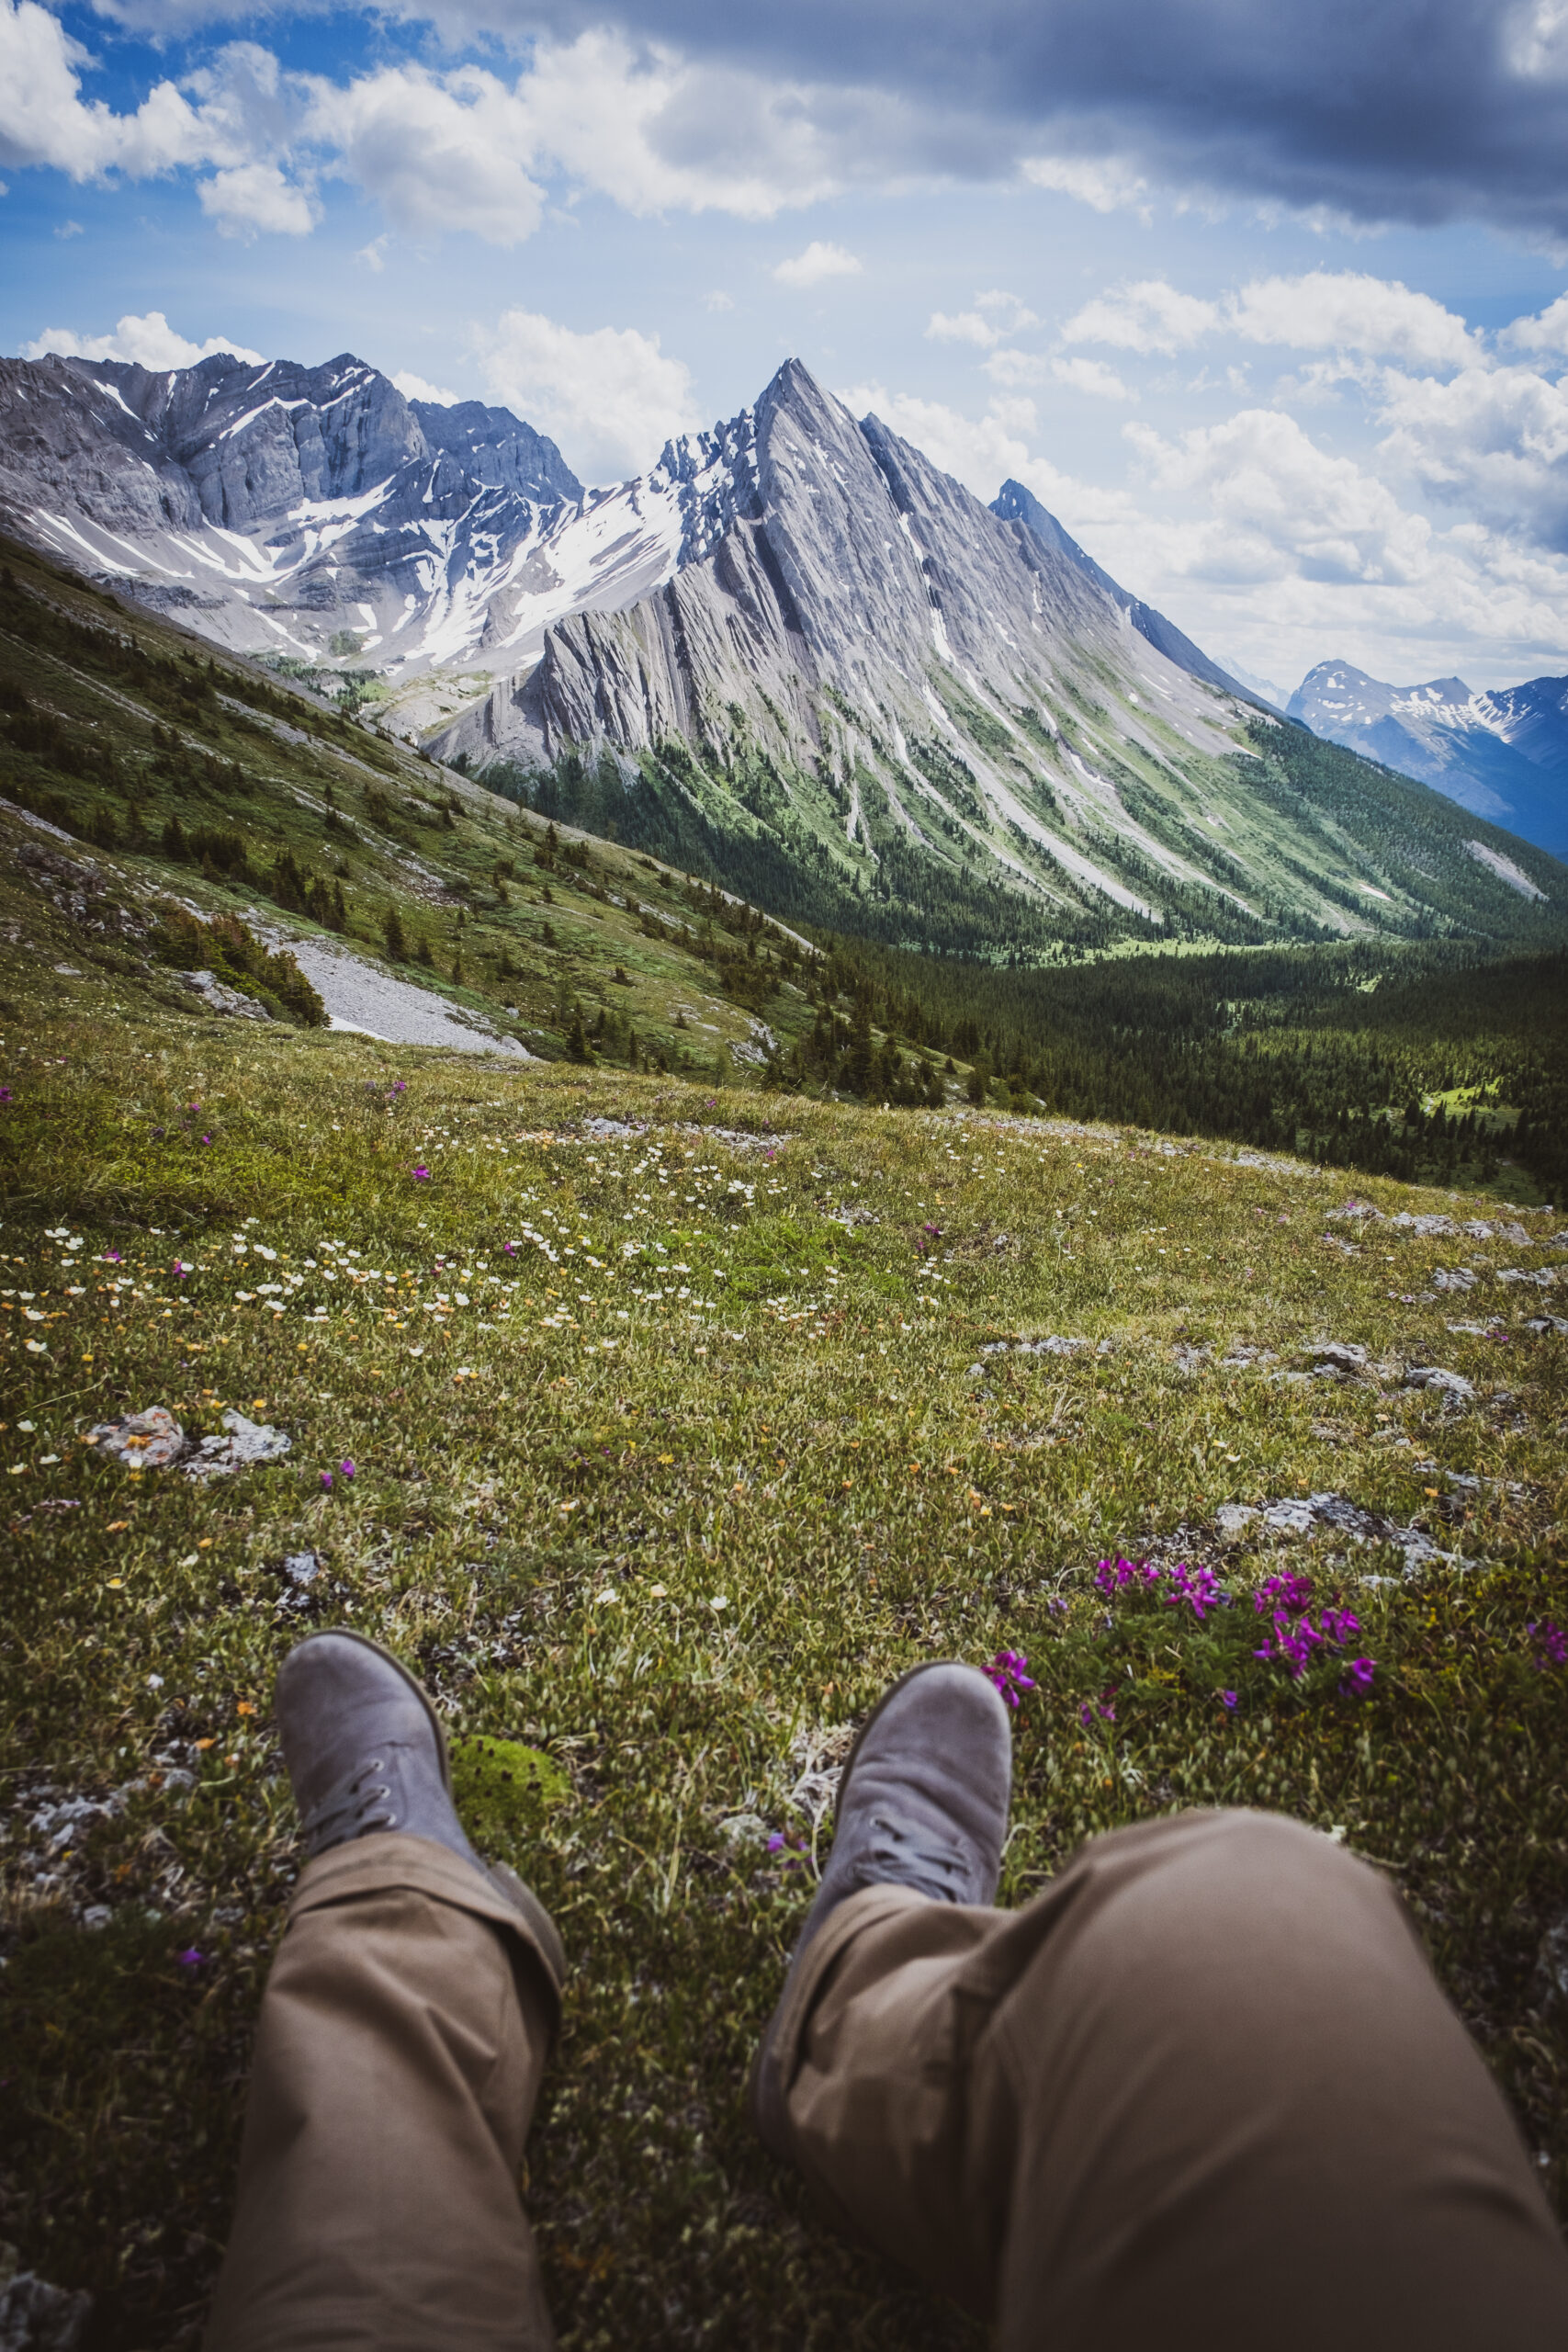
<point x="421" y="1175"/>
<point x="191" y="1958"/>
<point x="1198" y="1586"/>
<point x="6" y="1095"/>
<point x="776" y="1843"/>
<point x="1010" y="1672"/>
<point x="1550" y="1642"/>
<point x="1357" y="1680"/>
<point x="1227" y="1699"/>
<point x="345" y="1469"/>
<point x="1291" y="1593"/>
<point x="326" y="1481"/>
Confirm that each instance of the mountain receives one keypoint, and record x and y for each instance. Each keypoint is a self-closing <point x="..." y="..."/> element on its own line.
<point x="795" y="657"/>
<point x="1503" y="754"/>
<point x="874" y="700"/>
<point x="315" y="513"/>
<point x="1016" y="504"/>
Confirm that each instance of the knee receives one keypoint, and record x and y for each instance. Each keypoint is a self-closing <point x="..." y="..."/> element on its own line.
<point x="1232" y="1895"/>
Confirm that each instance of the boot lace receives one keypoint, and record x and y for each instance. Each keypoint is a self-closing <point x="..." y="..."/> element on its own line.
<point x="350" y="1808"/>
<point x="901" y="1855"/>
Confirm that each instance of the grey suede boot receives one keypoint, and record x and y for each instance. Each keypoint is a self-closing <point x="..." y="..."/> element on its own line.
<point x="366" y="1752"/>
<point x="923" y="1804"/>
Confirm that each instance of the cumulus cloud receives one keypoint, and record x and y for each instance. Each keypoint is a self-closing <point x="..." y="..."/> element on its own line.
<point x="1346" y="310"/>
<point x="463" y="149"/>
<point x="611" y="397"/>
<point x="148" y="342"/>
<point x="257" y="196"/>
<point x="438" y="152"/>
<point x="995" y="316"/>
<point x="1350" y="310"/>
<point x="1098" y="99"/>
<point x="1147" y="317"/>
<point x="1092" y="376"/>
<point x="1546" y="332"/>
<point x="1491" y="441"/>
<point x="819" y="261"/>
<point x="414" y="388"/>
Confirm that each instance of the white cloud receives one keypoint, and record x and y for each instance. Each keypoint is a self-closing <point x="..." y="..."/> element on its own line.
<point x="1344" y="310"/>
<point x="1547" y="332"/>
<point x="414" y="388"/>
<point x="1147" y="317"/>
<point x="717" y="299"/>
<point x="1493" y="441"/>
<point x="1273" y="501"/>
<point x="70" y="229"/>
<point x="256" y="197"/>
<point x="374" y="254"/>
<point x="460" y="150"/>
<point x="1092" y="376"/>
<point x="611" y="398"/>
<point x="967" y="326"/>
<point x="1350" y="310"/>
<point x="819" y="261"/>
<point x="148" y="342"/>
<point x="1107" y="185"/>
<point x="438" y="152"/>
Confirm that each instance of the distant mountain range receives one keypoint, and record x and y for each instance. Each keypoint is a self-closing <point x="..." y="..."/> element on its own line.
<point x="795" y="655"/>
<point x="1503" y="755"/>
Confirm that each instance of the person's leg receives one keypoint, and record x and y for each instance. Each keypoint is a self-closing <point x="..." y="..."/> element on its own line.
<point x="404" y="2031"/>
<point x="1205" y="2089"/>
<point x="402" y="2035"/>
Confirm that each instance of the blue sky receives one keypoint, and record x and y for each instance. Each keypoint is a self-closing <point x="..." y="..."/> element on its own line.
<point x="1261" y="303"/>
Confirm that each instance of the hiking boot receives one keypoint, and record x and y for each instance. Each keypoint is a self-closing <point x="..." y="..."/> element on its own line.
<point x="923" y="1804"/>
<point x="363" y="1747"/>
<point x="366" y="1752"/>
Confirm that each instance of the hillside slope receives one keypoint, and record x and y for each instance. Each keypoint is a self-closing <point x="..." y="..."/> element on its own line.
<point x="663" y="1427"/>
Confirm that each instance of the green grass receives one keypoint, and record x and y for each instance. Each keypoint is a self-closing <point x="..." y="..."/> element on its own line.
<point x="550" y="1505"/>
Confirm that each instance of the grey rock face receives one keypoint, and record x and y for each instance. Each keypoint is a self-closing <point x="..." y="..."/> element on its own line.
<point x="852" y="563"/>
<point x="1014" y="503"/>
<point x="493" y="446"/>
<point x="365" y="516"/>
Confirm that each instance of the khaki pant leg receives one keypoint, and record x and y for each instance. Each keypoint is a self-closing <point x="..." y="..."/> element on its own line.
<point x="1204" y="2091"/>
<point x="402" y="2034"/>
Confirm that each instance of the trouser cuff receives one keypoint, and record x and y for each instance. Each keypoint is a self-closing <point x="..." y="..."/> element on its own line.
<point x="392" y="1858"/>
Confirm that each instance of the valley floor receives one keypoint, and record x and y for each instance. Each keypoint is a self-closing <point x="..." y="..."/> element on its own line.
<point x="658" y="1425"/>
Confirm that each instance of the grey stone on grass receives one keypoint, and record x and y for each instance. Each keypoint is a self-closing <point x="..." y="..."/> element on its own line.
<point x="220" y="998"/>
<point x="1452" y="1387"/>
<point x="154" y="1440"/>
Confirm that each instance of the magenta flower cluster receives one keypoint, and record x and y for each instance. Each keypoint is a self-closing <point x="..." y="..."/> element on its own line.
<point x="1293" y="1639"/>
<point x="1009" y="1671"/>
<point x="1198" y="1587"/>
